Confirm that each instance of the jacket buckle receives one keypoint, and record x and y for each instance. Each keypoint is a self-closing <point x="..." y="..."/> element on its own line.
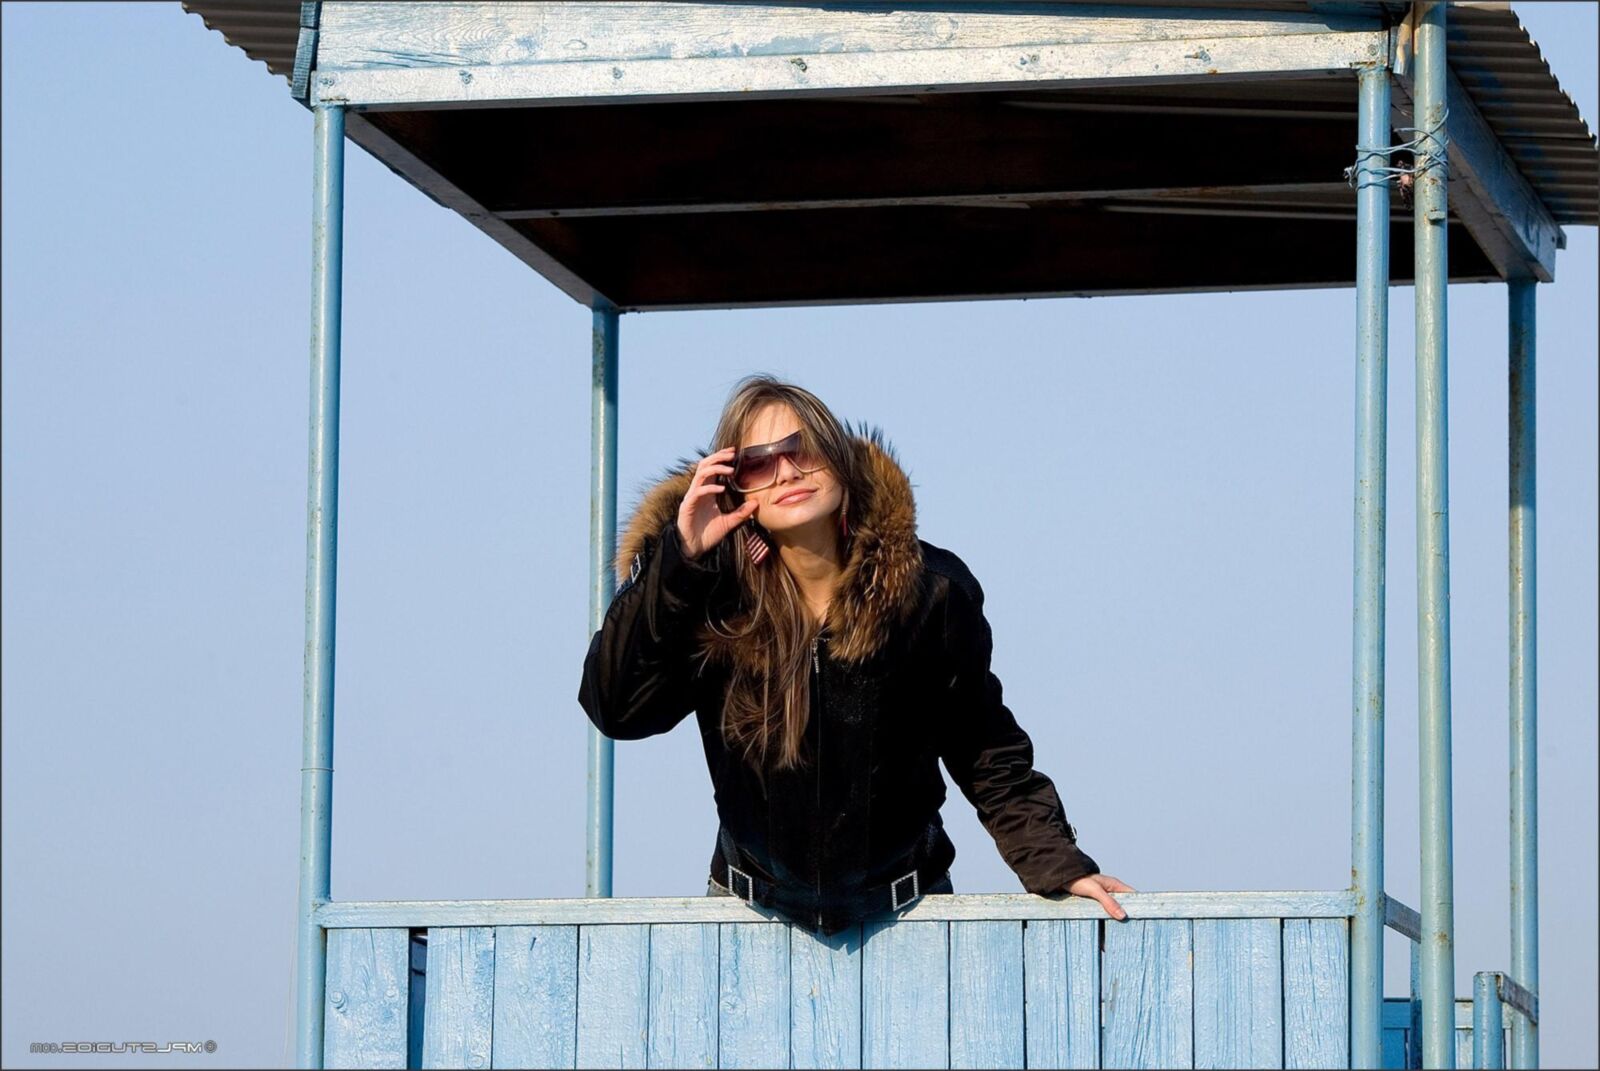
<point x="749" y="884"/>
<point x="894" y="892"/>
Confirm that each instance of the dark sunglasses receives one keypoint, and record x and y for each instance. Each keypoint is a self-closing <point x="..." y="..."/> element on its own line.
<point x="755" y="468"/>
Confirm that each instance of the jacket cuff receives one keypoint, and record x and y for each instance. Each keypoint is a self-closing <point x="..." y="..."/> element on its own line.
<point x="1079" y="865"/>
<point x="685" y="580"/>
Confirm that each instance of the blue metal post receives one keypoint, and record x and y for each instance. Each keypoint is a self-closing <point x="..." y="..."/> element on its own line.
<point x="1488" y="1023"/>
<point x="1372" y="377"/>
<point x="322" y="532"/>
<point x="1524" y="671"/>
<point x="1433" y="545"/>
<point x="602" y="580"/>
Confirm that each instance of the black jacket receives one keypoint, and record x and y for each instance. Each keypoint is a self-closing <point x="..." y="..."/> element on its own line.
<point x="901" y="682"/>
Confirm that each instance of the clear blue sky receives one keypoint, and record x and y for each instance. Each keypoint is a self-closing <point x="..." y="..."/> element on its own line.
<point x="1169" y="586"/>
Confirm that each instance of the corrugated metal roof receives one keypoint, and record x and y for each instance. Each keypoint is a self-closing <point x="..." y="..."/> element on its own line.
<point x="1491" y="52"/>
<point x="265" y="30"/>
<point x="1538" y="123"/>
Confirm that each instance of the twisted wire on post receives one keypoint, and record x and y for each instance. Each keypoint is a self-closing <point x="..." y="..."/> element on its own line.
<point x="1423" y="160"/>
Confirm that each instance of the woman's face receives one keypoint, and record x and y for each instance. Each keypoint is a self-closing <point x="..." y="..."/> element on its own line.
<point x="798" y="500"/>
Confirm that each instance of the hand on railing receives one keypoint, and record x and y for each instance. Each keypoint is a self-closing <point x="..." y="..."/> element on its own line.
<point x="1100" y="887"/>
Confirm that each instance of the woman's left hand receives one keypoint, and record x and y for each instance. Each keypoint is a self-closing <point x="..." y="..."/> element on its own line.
<point x="1100" y="887"/>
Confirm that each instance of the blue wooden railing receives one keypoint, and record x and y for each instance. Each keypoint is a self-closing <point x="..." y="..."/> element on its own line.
<point x="1191" y="979"/>
<point x="1478" y="1022"/>
<point x="1239" y="979"/>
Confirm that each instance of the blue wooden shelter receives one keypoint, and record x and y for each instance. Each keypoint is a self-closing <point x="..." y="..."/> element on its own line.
<point x="650" y="155"/>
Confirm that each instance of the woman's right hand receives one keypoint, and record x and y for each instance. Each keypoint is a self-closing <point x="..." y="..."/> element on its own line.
<point x="701" y="522"/>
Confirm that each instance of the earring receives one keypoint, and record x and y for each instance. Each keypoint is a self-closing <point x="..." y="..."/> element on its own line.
<point x="755" y="546"/>
<point x="844" y="522"/>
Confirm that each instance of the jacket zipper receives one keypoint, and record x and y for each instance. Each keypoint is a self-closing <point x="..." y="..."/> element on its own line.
<point x="816" y="712"/>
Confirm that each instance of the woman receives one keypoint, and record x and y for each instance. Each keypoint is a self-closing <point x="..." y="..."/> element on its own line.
<point x="777" y="588"/>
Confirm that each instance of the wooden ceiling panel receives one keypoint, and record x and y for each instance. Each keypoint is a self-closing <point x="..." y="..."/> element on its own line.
<point x="826" y="256"/>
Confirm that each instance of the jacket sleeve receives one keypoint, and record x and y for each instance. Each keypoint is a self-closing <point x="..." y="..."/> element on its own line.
<point x="638" y="677"/>
<point x="990" y="757"/>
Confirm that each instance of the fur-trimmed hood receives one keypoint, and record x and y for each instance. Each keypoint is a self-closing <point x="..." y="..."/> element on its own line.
<point x="883" y="564"/>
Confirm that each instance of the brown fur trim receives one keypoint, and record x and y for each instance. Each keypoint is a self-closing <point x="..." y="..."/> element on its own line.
<point x="883" y="566"/>
<point x="884" y="563"/>
<point x="658" y="506"/>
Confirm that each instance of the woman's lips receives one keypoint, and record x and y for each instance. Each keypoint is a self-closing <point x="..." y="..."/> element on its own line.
<point x="793" y="497"/>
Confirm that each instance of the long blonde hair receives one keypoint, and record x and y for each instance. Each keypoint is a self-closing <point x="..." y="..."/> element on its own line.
<point x="768" y="701"/>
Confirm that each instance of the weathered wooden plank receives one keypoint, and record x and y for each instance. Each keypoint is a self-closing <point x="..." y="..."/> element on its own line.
<point x="943" y="253"/>
<point x="533" y="163"/>
<point x="905" y="994"/>
<point x="855" y="73"/>
<point x="364" y="1011"/>
<point x="1147" y="994"/>
<point x="752" y="995"/>
<point x="1464" y="1029"/>
<point x="1519" y="998"/>
<point x="1399" y="1050"/>
<point x="535" y="996"/>
<point x="683" y="994"/>
<point x="1061" y="969"/>
<point x="363" y="35"/>
<point x="1394" y="1047"/>
<point x="611" y="910"/>
<point x="613" y="995"/>
<point x="1480" y="163"/>
<point x="422" y="175"/>
<point x="1402" y="919"/>
<point x="1414" y="1003"/>
<point x="1215" y="201"/>
<point x="1238" y="993"/>
<point x="1397" y="1014"/>
<point x="417" y="1005"/>
<point x="1316" y="992"/>
<point x="987" y="996"/>
<point x="458" y="1025"/>
<point x="825" y="998"/>
<point x="1487" y="190"/>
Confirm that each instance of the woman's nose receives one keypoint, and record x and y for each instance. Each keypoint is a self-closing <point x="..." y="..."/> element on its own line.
<point x="794" y="470"/>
